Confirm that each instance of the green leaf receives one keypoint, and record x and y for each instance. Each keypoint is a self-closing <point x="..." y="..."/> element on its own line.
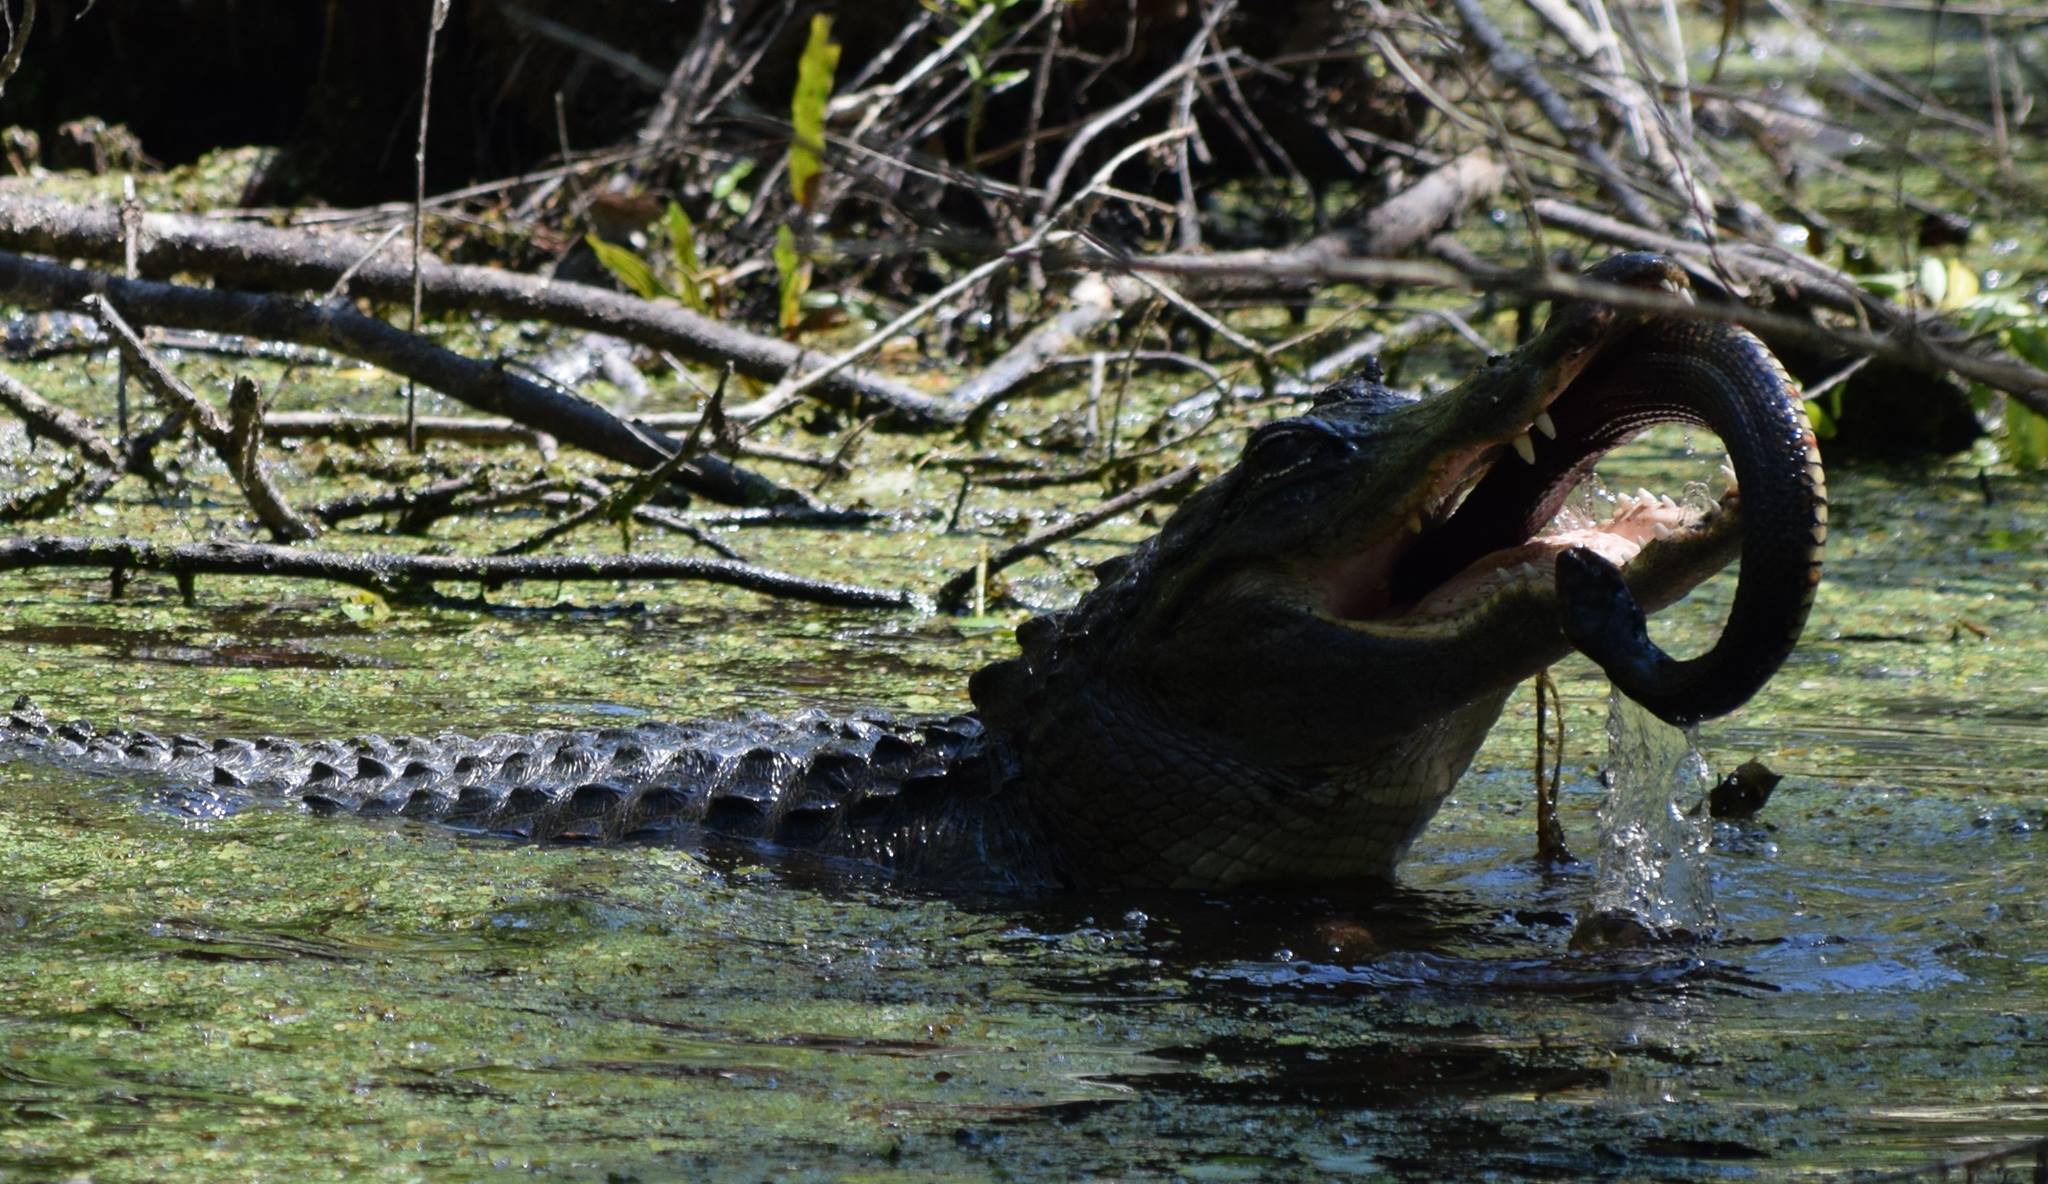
<point x="630" y="269"/>
<point x="1823" y="423"/>
<point x="2026" y="436"/>
<point x="1889" y="284"/>
<point x="364" y="607"/>
<point x="728" y="181"/>
<point x="2030" y="342"/>
<point x="794" y="276"/>
<point x="807" y="110"/>
<point x="682" y="235"/>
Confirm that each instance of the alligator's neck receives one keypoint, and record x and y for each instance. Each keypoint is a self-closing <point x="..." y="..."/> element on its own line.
<point x="930" y="798"/>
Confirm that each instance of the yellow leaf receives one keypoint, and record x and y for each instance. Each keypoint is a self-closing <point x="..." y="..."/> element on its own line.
<point x="628" y="268"/>
<point x="1962" y="286"/>
<point x="807" y="110"/>
<point x="794" y="275"/>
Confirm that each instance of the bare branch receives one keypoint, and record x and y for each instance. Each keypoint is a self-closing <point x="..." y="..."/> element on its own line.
<point x="233" y="442"/>
<point x="45" y="418"/>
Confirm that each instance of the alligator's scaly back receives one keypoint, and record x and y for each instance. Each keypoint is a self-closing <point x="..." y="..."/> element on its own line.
<point x="897" y="793"/>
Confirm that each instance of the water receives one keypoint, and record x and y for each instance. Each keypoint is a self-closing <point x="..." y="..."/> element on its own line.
<point x="267" y="995"/>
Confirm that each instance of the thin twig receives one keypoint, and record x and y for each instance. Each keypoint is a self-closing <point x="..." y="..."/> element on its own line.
<point x="1518" y="68"/>
<point x="619" y="504"/>
<point x="438" y="15"/>
<point x="1079" y="141"/>
<point x="17" y="41"/>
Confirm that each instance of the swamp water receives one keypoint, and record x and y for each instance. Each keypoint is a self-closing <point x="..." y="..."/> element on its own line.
<point x="273" y="996"/>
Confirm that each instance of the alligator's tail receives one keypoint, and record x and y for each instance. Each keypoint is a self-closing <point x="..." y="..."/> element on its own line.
<point x="808" y="780"/>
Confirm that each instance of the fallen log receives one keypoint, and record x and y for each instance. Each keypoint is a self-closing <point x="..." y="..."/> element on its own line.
<point x="263" y="257"/>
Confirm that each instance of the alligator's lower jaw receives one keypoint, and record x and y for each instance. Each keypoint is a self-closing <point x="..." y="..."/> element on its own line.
<point x="1638" y="521"/>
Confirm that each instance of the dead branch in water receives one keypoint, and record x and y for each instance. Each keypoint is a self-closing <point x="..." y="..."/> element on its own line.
<point x="355" y="429"/>
<point x="46" y="419"/>
<point x="412" y="577"/>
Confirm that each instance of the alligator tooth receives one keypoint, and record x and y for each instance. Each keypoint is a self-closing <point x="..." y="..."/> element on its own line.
<point x="1414" y="523"/>
<point x="1662" y="530"/>
<point x="1544" y="425"/>
<point x="1525" y="448"/>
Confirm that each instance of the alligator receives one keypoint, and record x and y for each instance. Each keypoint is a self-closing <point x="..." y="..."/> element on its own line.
<point x="1281" y="686"/>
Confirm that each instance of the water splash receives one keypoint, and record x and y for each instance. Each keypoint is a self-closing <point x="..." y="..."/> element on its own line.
<point x="1653" y="858"/>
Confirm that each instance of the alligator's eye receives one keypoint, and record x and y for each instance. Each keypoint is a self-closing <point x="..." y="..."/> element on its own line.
<point x="1289" y="446"/>
<point x="1361" y="395"/>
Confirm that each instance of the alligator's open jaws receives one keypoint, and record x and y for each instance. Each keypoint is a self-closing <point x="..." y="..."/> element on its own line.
<point x="1282" y="685"/>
